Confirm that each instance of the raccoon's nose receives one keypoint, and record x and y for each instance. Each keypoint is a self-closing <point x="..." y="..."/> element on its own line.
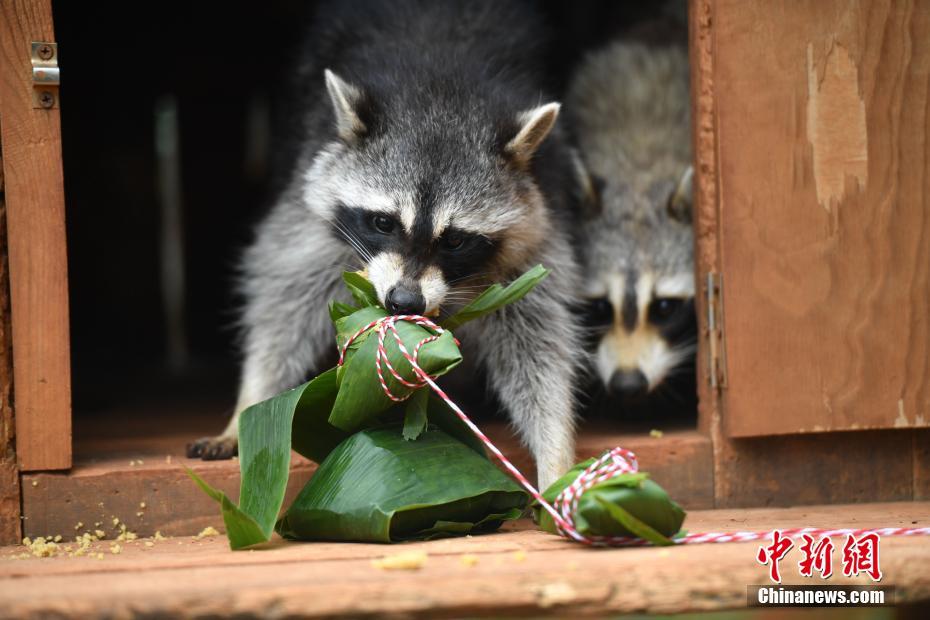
<point x="401" y="300"/>
<point x="631" y="384"/>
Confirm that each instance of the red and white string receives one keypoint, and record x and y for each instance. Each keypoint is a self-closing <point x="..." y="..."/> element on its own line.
<point x="612" y="463"/>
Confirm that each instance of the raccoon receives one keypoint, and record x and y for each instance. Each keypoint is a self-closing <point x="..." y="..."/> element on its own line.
<point x="629" y="110"/>
<point x="430" y="157"/>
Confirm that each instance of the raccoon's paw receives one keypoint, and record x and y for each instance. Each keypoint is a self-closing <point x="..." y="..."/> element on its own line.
<point x="213" y="448"/>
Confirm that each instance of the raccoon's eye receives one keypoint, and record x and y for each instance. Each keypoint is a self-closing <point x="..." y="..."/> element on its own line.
<point x="599" y="312"/>
<point x="452" y="241"/>
<point x="383" y="224"/>
<point x="663" y="308"/>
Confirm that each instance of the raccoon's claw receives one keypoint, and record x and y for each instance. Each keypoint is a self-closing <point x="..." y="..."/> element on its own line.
<point x="213" y="448"/>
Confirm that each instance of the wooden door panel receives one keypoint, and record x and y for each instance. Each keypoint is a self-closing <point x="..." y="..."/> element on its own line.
<point x="824" y="189"/>
<point x="34" y="191"/>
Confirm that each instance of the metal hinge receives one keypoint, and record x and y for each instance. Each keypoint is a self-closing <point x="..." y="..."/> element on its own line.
<point x="713" y="332"/>
<point x="45" y="75"/>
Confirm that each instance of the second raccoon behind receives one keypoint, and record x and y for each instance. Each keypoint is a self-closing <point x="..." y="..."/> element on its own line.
<point x="629" y="108"/>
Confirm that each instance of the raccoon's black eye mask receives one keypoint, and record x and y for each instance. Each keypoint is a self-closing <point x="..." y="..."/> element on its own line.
<point x="457" y="253"/>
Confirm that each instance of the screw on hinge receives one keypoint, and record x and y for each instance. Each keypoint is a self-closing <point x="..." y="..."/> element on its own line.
<point x="46" y="99"/>
<point x="45" y="51"/>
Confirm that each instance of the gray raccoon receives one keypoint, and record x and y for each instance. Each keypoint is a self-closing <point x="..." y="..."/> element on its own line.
<point x="426" y="158"/>
<point x="629" y="109"/>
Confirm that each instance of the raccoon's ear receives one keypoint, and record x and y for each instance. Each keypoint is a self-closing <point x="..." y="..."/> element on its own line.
<point x="588" y="187"/>
<point x="679" y="203"/>
<point x="534" y="125"/>
<point x="347" y="100"/>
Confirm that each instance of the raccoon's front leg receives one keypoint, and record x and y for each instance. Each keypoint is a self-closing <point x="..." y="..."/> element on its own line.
<point x="529" y="350"/>
<point x="287" y="331"/>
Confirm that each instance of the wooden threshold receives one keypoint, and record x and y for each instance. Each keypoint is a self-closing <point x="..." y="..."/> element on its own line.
<point x="519" y="571"/>
<point x="113" y="476"/>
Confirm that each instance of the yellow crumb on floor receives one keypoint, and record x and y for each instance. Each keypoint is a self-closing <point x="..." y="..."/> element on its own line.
<point x="158" y="536"/>
<point x="79" y="525"/>
<point x="35" y="483"/>
<point x="100" y="534"/>
<point x="115" y="522"/>
<point x="139" y="514"/>
<point x="99" y="556"/>
<point x="519" y="555"/>
<point x="149" y="543"/>
<point x="409" y="560"/>
<point x="42" y="547"/>
<point x="469" y="559"/>
<point x="206" y="532"/>
<point x="116" y="549"/>
<point x="656" y="433"/>
<point x="142" y="505"/>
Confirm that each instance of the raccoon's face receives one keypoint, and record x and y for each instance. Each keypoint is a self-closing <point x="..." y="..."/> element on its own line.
<point x="640" y="292"/>
<point x="434" y="201"/>
<point x="645" y="329"/>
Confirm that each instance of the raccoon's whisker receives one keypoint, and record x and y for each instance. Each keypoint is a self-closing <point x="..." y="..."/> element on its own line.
<point x="352" y="239"/>
<point x="469" y="277"/>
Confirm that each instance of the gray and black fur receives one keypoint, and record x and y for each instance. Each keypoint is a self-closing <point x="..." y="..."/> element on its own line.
<point x="629" y="110"/>
<point x="429" y="157"/>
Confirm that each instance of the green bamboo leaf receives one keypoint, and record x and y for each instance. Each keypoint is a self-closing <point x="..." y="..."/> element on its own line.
<point x="377" y="486"/>
<point x="631" y="523"/>
<point x="496" y="297"/>
<point x="415" y="414"/>
<point x="635" y="495"/>
<point x="361" y="399"/>
<point x="265" y="433"/>
<point x="362" y="290"/>
<point x="338" y="310"/>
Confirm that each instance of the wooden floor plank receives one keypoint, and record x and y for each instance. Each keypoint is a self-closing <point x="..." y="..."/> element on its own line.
<point x="192" y="578"/>
<point x="112" y="476"/>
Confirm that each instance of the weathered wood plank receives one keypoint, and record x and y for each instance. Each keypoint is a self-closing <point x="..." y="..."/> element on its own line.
<point x="822" y="109"/>
<point x="102" y="484"/>
<point x="553" y="576"/>
<point x="31" y="141"/>
<point x="10" y="529"/>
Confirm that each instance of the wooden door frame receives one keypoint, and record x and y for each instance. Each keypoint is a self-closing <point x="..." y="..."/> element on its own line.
<point x="36" y="245"/>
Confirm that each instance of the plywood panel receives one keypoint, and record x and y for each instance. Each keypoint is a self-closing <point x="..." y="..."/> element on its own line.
<point x="823" y="159"/>
<point x="31" y="141"/>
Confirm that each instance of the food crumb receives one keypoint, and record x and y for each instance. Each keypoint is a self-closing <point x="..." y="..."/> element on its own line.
<point x="142" y="505"/>
<point x="519" y="555"/>
<point x="41" y="547"/>
<point x="79" y="525"/>
<point x="115" y="522"/>
<point x="100" y="534"/>
<point x="158" y="536"/>
<point x="656" y="433"/>
<point x="149" y="543"/>
<point x="207" y="531"/>
<point x="116" y="549"/>
<point x="469" y="559"/>
<point x="99" y="556"/>
<point x="57" y="538"/>
<point x="35" y="483"/>
<point x="410" y="560"/>
<point x="139" y="514"/>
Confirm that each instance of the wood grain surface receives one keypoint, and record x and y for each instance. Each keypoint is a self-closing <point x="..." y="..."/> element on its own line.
<point x="31" y="141"/>
<point x="823" y="150"/>
<point x="10" y="530"/>
<point x="518" y="572"/>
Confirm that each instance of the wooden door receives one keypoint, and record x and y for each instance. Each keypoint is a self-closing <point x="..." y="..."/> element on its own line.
<point x="823" y="157"/>
<point x="35" y="220"/>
